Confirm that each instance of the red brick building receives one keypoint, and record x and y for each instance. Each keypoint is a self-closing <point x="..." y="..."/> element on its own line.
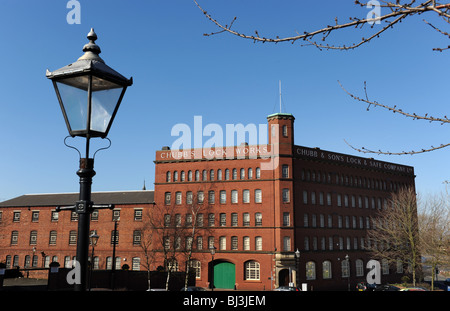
<point x="33" y="234"/>
<point x="254" y="204"/>
<point x="266" y="201"/>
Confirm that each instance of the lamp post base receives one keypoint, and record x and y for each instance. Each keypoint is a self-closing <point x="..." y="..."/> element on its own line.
<point x="84" y="209"/>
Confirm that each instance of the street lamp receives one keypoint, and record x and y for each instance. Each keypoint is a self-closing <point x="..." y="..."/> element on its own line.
<point x="297" y="264"/>
<point x="212" y="250"/>
<point x="89" y="93"/>
<point x="348" y="271"/>
<point x="93" y="238"/>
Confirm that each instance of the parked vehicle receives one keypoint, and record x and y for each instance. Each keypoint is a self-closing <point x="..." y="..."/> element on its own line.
<point x="413" y="289"/>
<point x="386" y="288"/>
<point x="193" y="289"/>
<point x="287" y="289"/>
<point x="364" y="286"/>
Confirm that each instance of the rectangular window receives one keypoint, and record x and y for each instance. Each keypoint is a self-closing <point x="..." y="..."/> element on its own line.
<point x="210" y="242"/>
<point x="167" y="197"/>
<point x="136" y="237"/>
<point x="285" y="171"/>
<point x="258" y="196"/>
<point x="246" y="243"/>
<point x="234" y="219"/>
<point x="189" y="197"/>
<point x="33" y="237"/>
<point x="286" y="195"/>
<point x="138" y="214"/>
<point x="178" y="197"/>
<point x="35" y="216"/>
<point x="258" y="243"/>
<point x="14" y="237"/>
<point x="287" y="244"/>
<point x="55" y="216"/>
<point x="246" y="196"/>
<point x="200" y="243"/>
<point x="116" y="215"/>
<point x="258" y="219"/>
<point x="211" y="197"/>
<point x="211" y="220"/>
<point x="234" y="196"/>
<point x="222" y="243"/>
<point x="234" y="242"/>
<point x="223" y="219"/>
<point x="286" y="219"/>
<point x="223" y="196"/>
<point x="285" y="131"/>
<point x="94" y="215"/>
<point x="16" y="216"/>
<point x="52" y="240"/>
<point x="73" y="216"/>
<point x="72" y="237"/>
<point x="246" y="219"/>
<point x="167" y="220"/>
<point x="200" y="220"/>
<point x="188" y="220"/>
<point x="322" y="221"/>
<point x="200" y="197"/>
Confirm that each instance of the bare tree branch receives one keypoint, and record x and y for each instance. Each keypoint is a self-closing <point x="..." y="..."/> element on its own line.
<point x="397" y="14"/>
<point x="394" y="109"/>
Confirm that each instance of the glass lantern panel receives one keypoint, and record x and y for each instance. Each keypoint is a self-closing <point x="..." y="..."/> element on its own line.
<point x="104" y="103"/>
<point x="75" y="105"/>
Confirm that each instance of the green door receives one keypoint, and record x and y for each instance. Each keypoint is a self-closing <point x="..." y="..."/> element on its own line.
<point x="224" y="275"/>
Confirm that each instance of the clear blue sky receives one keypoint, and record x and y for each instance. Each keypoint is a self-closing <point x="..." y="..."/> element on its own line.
<point x="179" y="73"/>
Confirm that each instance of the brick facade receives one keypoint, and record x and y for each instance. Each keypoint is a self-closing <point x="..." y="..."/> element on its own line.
<point x="255" y="204"/>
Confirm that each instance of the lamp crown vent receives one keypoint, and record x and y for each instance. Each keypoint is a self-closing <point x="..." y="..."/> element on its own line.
<point x="91" y="49"/>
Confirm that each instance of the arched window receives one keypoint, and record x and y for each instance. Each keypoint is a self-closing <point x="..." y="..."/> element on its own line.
<point x="326" y="269"/>
<point x="168" y="176"/>
<point x="197" y="175"/>
<point x="252" y="270"/>
<point x="310" y="270"/>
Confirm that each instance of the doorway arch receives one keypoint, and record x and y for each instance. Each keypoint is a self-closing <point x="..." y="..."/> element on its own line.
<point x="224" y="275"/>
<point x="283" y="277"/>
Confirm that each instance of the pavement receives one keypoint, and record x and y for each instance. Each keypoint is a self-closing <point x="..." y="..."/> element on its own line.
<point x="24" y="284"/>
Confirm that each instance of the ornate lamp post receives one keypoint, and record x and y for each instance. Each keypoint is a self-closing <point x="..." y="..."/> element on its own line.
<point x="93" y="238"/>
<point x="347" y="262"/>
<point x="89" y="93"/>
<point x="297" y="267"/>
<point x="212" y="250"/>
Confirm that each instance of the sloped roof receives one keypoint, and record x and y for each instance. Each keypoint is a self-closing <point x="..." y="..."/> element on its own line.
<point x="64" y="199"/>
